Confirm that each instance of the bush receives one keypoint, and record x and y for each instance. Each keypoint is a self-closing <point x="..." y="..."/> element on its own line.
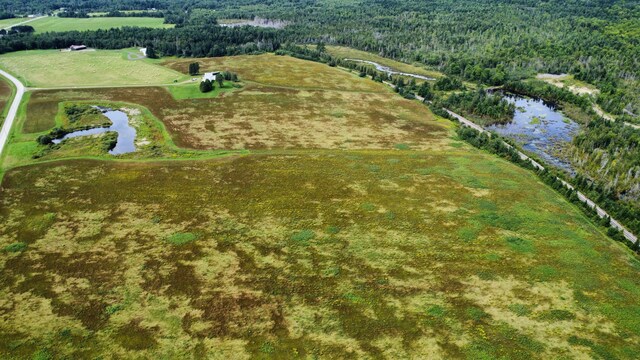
<point x="15" y="247"/>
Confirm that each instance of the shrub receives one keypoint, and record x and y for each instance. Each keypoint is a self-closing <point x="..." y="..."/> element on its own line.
<point x="15" y="247"/>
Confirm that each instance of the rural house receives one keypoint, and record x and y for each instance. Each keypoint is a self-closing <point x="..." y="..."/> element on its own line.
<point x="211" y="76"/>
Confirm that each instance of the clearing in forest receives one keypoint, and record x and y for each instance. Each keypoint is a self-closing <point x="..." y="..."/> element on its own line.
<point x="57" y="24"/>
<point x="54" y="68"/>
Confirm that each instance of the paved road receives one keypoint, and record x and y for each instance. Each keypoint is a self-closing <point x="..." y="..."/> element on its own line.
<point x="13" y="110"/>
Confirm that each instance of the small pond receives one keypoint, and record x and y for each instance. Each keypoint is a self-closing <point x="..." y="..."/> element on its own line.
<point x="389" y="70"/>
<point x="540" y="128"/>
<point x="126" y="133"/>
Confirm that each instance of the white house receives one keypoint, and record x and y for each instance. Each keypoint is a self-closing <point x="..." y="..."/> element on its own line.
<point x="211" y="76"/>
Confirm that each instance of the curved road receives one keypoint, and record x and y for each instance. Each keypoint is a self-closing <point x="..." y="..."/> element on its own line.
<point x="13" y="110"/>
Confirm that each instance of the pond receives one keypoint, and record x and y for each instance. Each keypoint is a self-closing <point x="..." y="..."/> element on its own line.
<point x="540" y="128"/>
<point x="389" y="70"/>
<point x="120" y="124"/>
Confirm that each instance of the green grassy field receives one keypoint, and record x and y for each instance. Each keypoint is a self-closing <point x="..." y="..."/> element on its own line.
<point x="52" y="68"/>
<point x="352" y="224"/>
<point x="54" y="23"/>
<point x="192" y="90"/>
<point x="10" y="22"/>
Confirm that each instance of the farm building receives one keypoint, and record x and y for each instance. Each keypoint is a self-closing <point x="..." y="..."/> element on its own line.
<point x="211" y="76"/>
<point x="77" y="47"/>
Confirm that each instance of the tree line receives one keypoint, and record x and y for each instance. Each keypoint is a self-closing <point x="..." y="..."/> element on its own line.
<point x="196" y="41"/>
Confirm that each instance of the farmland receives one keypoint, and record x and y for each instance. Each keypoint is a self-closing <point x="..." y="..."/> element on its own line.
<point x="342" y="221"/>
<point x="52" y="68"/>
<point x="269" y="69"/>
<point x="5" y="23"/>
<point x="54" y="23"/>
<point x="346" y="112"/>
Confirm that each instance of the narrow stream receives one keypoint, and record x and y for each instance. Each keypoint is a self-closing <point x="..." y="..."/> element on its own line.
<point x="389" y="70"/>
<point x="540" y="128"/>
<point x="126" y="133"/>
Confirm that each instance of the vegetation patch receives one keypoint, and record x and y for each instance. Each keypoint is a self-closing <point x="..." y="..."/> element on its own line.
<point x="53" y="68"/>
<point x="55" y="23"/>
<point x="181" y="238"/>
<point x="15" y="247"/>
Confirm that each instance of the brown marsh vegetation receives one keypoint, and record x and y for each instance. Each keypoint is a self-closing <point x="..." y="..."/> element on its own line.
<point x="307" y="254"/>
<point x="394" y="241"/>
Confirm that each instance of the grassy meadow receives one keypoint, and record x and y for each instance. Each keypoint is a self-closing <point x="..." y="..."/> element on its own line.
<point x="343" y="221"/>
<point x="53" y="68"/>
<point x="58" y="24"/>
<point x="5" y="23"/>
<point x="269" y="112"/>
<point x="281" y="71"/>
<point x="367" y="254"/>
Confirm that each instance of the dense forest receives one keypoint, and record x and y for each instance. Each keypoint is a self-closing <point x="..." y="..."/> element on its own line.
<point x="194" y="41"/>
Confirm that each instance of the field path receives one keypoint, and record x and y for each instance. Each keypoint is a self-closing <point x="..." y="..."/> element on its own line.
<point x="13" y="110"/>
<point x="24" y="22"/>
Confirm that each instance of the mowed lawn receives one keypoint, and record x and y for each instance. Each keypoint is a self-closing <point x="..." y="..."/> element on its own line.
<point x="52" y="68"/>
<point x="10" y="22"/>
<point x="393" y="254"/>
<point x="57" y="24"/>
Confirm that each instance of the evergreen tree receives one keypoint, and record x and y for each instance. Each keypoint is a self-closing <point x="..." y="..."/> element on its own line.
<point x="151" y="52"/>
<point x="206" y="86"/>
<point x="194" y="68"/>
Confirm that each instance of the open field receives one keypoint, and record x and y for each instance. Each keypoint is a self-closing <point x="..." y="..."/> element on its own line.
<point x="355" y="227"/>
<point x="392" y="254"/>
<point x="570" y="82"/>
<point x="10" y="22"/>
<point x="152" y="139"/>
<point x="54" y="23"/>
<point x="52" y="68"/>
<point x="349" y="112"/>
<point x="270" y="69"/>
<point x="259" y="117"/>
<point x="345" y="52"/>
